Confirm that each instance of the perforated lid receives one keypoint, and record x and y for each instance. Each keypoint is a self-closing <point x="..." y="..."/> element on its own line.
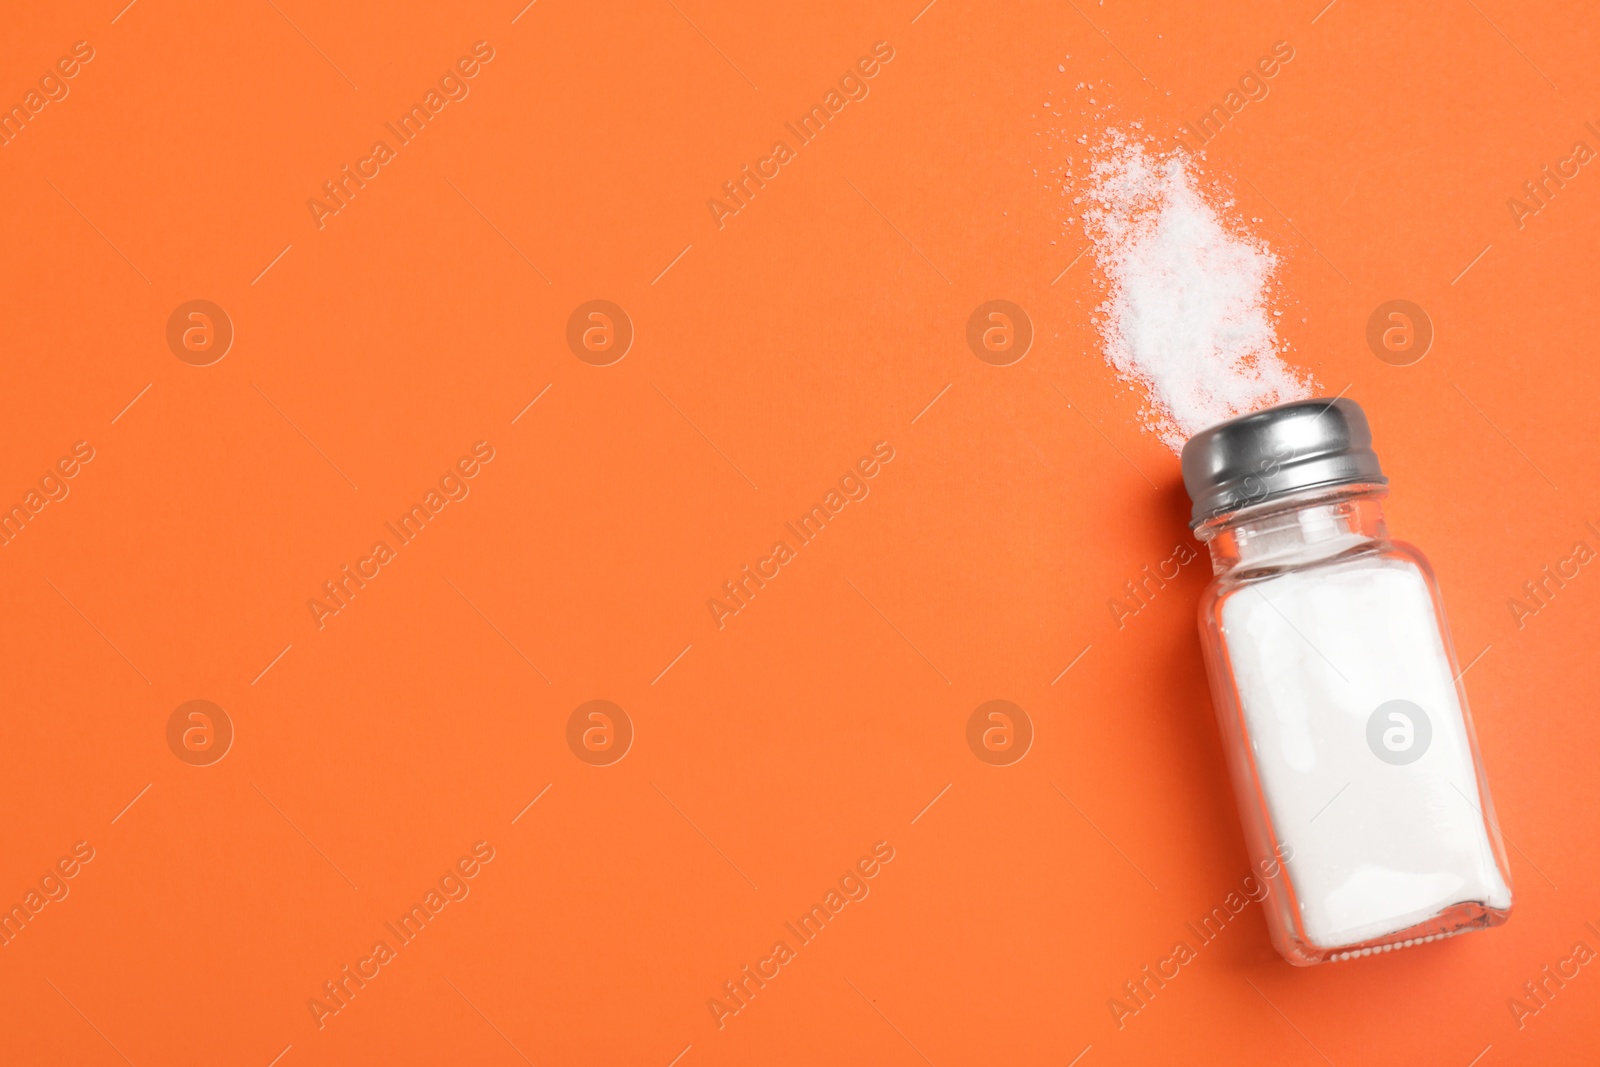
<point x="1267" y="454"/>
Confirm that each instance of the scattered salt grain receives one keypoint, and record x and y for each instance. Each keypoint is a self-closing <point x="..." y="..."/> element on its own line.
<point x="1186" y="312"/>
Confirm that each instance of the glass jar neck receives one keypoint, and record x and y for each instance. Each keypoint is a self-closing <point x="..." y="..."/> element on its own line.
<point x="1295" y="530"/>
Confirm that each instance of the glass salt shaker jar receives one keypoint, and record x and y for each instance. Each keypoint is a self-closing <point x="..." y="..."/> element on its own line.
<point x="1341" y="707"/>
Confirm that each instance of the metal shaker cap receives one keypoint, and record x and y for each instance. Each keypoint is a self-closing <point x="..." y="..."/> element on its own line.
<point x="1271" y="453"/>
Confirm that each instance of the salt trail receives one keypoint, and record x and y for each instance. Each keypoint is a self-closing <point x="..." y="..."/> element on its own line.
<point x="1186" y="313"/>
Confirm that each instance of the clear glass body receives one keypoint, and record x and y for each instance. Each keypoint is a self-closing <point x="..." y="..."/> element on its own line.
<point x="1344" y="720"/>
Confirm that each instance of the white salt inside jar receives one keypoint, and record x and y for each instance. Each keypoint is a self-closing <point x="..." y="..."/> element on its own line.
<point x="1374" y="847"/>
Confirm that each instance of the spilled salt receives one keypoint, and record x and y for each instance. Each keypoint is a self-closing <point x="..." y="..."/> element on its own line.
<point x="1186" y="313"/>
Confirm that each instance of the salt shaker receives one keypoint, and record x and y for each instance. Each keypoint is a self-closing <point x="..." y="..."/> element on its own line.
<point x="1340" y="702"/>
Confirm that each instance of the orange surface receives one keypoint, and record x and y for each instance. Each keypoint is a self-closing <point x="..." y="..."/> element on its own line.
<point x="383" y="750"/>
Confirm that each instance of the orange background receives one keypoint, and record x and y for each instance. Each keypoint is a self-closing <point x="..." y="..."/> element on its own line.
<point x="825" y="717"/>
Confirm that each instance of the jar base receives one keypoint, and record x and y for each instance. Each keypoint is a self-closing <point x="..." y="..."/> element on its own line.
<point x="1457" y="919"/>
